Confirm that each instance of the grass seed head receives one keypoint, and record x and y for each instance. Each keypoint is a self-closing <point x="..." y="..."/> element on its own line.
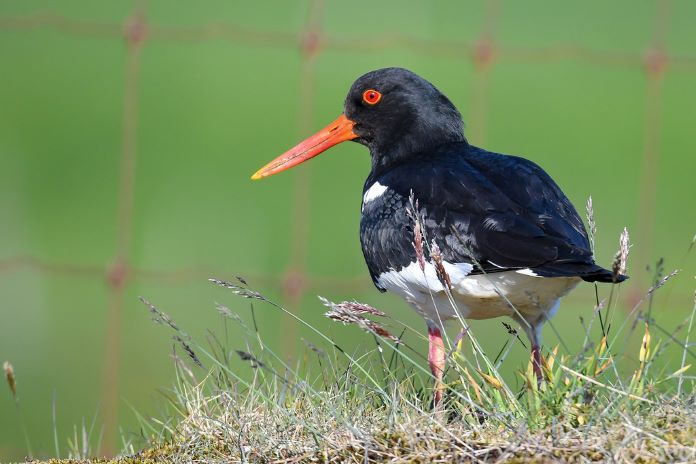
<point x="621" y="258"/>
<point x="158" y="316"/>
<point x="189" y="351"/>
<point x="589" y="208"/>
<point x="244" y="356"/>
<point x="418" y="245"/>
<point x="360" y="308"/>
<point x="10" y="376"/>
<point x="352" y="313"/>
<point x="238" y="289"/>
<point x="181" y="364"/>
<point x="661" y="282"/>
<point x="440" y="270"/>
<point x="418" y="232"/>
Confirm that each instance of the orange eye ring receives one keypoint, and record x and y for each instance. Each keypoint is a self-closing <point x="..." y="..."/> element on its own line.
<point x="371" y="96"/>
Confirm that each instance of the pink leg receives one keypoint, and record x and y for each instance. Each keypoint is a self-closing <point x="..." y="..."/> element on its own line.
<point x="436" y="360"/>
<point x="536" y="363"/>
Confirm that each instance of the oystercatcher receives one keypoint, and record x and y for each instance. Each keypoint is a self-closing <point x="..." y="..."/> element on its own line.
<point x="511" y="242"/>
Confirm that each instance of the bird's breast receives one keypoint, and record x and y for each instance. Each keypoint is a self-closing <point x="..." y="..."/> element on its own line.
<point x="386" y="230"/>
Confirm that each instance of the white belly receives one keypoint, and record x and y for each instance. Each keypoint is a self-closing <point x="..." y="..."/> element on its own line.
<point x="476" y="296"/>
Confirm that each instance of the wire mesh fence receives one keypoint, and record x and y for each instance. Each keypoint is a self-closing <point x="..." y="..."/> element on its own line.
<point x="312" y="41"/>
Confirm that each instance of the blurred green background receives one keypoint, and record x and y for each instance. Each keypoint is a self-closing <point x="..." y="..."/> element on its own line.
<point x="601" y="94"/>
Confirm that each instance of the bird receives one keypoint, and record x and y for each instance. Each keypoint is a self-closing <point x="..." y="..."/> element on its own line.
<point x="510" y="241"/>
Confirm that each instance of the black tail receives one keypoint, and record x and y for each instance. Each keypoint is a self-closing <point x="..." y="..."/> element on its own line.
<point x="603" y="275"/>
<point x="589" y="272"/>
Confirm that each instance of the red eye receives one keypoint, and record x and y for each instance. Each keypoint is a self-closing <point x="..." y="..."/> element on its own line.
<point x="371" y="97"/>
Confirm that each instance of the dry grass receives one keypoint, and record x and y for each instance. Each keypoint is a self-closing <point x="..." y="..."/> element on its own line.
<point x="375" y="405"/>
<point x="232" y="427"/>
<point x="377" y="408"/>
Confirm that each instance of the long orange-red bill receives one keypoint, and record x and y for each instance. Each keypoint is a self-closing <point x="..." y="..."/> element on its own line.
<point x="338" y="131"/>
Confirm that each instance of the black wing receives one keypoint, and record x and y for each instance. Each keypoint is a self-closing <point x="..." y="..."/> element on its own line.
<point x="496" y="211"/>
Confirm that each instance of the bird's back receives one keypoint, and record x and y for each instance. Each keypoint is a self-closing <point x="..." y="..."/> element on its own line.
<point x="494" y="212"/>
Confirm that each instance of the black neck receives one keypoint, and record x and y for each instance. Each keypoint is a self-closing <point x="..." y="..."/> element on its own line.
<point x="408" y="147"/>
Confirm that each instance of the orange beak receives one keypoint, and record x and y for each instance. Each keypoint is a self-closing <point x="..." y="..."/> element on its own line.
<point x="338" y="131"/>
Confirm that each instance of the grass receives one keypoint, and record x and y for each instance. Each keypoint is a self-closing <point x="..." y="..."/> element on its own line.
<point x="376" y="405"/>
<point x="610" y="402"/>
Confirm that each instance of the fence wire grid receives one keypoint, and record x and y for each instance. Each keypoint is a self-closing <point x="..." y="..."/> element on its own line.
<point x="137" y="31"/>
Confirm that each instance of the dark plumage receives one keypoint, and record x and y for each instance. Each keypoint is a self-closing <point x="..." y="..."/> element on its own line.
<point x="506" y="210"/>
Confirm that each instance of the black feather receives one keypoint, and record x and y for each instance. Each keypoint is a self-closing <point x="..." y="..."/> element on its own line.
<point x="502" y="212"/>
<point x="496" y="211"/>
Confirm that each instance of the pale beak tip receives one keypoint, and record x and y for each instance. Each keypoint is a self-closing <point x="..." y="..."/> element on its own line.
<point x="256" y="176"/>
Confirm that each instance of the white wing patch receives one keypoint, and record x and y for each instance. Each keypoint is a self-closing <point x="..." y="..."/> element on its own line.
<point x="375" y="191"/>
<point x="528" y="272"/>
<point x="410" y="280"/>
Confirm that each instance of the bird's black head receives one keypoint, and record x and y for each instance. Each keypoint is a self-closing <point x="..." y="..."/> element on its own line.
<point x="398" y="113"/>
<point x="394" y="112"/>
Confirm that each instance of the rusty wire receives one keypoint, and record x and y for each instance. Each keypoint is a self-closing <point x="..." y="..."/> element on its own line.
<point x="312" y="41"/>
